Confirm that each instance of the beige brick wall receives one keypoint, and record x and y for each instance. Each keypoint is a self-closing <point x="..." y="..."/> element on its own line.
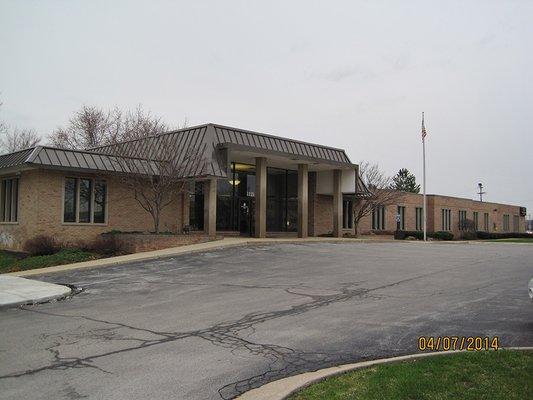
<point x="40" y="211"/>
<point x="436" y="203"/>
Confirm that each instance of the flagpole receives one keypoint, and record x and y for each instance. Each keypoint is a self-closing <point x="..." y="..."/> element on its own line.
<point x="424" y="177"/>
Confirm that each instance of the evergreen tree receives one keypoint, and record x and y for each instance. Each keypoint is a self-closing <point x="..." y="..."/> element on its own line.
<point x="405" y="181"/>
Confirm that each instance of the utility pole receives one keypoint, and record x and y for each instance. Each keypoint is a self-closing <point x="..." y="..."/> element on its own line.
<point x="481" y="192"/>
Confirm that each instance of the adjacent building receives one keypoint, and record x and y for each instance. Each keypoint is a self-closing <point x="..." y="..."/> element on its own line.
<point x="444" y="213"/>
<point x="239" y="182"/>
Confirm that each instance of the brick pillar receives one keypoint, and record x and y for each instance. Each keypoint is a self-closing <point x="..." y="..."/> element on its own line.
<point x="303" y="204"/>
<point x="337" y="203"/>
<point x="260" y="197"/>
<point x="210" y="207"/>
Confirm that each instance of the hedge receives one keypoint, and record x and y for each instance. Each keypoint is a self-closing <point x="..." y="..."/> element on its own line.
<point x="444" y="235"/>
<point x="503" y="235"/>
<point x="439" y="235"/>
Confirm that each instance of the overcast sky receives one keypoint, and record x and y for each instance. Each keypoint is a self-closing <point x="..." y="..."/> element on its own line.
<point x="354" y="74"/>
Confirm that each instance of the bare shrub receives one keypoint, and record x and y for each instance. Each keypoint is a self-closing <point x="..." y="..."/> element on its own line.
<point x="107" y="245"/>
<point x="42" y="245"/>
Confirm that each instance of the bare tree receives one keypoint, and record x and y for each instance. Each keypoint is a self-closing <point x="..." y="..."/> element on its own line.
<point x="15" y="139"/>
<point x="380" y="192"/>
<point x="89" y="127"/>
<point x="92" y="127"/>
<point x="152" y="171"/>
<point x="18" y="139"/>
<point x="157" y="175"/>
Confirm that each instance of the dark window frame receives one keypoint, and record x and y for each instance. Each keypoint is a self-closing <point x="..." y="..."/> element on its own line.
<point x="91" y="210"/>
<point x="347" y="214"/>
<point x="419" y="218"/>
<point x="9" y="200"/>
<point x="378" y="218"/>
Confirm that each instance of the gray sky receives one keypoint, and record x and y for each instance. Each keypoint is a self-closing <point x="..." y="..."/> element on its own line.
<point x="348" y="74"/>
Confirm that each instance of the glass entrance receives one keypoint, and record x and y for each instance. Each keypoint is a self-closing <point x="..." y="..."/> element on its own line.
<point x="246" y="216"/>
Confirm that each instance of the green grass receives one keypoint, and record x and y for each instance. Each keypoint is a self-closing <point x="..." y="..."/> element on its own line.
<point x="10" y="263"/>
<point x="495" y="375"/>
<point x="511" y="240"/>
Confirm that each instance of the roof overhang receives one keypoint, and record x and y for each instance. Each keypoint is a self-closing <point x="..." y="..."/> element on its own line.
<point x="281" y="159"/>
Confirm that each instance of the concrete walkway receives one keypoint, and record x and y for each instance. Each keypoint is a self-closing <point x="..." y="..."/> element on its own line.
<point x="16" y="291"/>
<point x="193" y="248"/>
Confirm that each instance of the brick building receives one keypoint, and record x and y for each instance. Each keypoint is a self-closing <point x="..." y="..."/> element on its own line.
<point x="239" y="183"/>
<point x="444" y="213"/>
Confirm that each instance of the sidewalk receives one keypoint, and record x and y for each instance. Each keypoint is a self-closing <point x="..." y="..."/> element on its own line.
<point x="175" y="251"/>
<point x="16" y="291"/>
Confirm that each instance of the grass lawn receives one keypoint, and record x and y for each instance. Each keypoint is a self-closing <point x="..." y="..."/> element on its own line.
<point x="10" y="262"/>
<point x="502" y="374"/>
<point x="512" y="240"/>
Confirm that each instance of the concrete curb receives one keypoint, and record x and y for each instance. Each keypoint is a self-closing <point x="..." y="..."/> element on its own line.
<point x="189" y="249"/>
<point x="16" y="291"/>
<point x="283" y="388"/>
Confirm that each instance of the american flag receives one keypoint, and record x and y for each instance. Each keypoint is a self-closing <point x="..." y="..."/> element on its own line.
<point x="424" y="133"/>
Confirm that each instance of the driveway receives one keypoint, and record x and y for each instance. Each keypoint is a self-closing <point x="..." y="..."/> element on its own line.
<point x="215" y="324"/>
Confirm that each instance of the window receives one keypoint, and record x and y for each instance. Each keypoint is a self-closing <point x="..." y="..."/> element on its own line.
<point x="378" y="218"/>
<point x="84" y="201"/>
<point x="476" y="220"/>
<point x="419" y="216"/>
<point x="462" y="220"/>
<point x="196" y="206"/>
<point x="100" y="194"/>
<point x="85" y="197"/>
<point x="486" y="222"/>
<point x="516" y="223"/>
<point x="506" y="222"/>
<point x="401" y="213"/>
<point x="446" y="219"/>
<point x="9" y="196"/>
<point x="347" y="214"/>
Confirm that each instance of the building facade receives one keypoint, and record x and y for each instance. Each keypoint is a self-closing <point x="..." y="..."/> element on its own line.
<point x="238" y="182"/>
<point x="444" y="213"/>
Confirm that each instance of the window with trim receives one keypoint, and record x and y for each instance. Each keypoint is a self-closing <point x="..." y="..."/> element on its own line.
<point x="378" y="218"/>
<point x="476" y="220"/>
<point x="506" y="222"/>
<point x="486" y="222"/>
<point x="516" y="223"/>
<point x="9" y="198"/>
<point x="462" y="220"/>
<point x="347" y="214"/>
<point x="419" y="215"/>
<point x="84" y="201"/>
<point x="401" y="213"/>
<point x="446" y="219"/>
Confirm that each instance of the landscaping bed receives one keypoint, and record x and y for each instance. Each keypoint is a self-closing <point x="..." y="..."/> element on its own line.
<point x="498" y="375"/>
<point x="10" y="262"/>
<point x="44" y="251"/>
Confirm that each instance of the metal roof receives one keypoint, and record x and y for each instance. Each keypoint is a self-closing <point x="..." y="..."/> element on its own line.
<point x="14" y="159"/>
<point x="225" y="134"/>
<point x="201" y="145"/>
<point x="74" y="159"/>
<point x="198" y="148"/>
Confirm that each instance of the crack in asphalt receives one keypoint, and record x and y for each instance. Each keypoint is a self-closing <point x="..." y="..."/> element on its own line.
<point x="282" y="361"/>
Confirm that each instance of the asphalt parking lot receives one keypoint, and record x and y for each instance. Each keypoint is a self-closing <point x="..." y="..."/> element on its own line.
<point x="215" y="324"/>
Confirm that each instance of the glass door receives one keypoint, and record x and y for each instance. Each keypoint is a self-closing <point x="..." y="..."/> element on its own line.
<point x="246" y="216"/>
